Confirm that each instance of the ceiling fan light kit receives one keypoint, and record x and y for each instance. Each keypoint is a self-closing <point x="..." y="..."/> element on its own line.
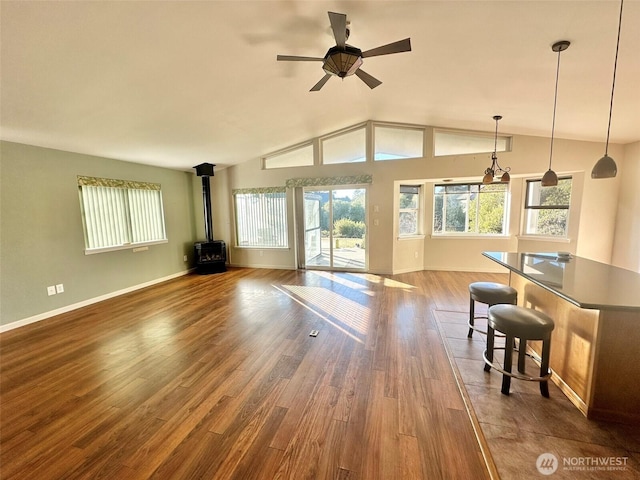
<point x="606" y="167"/>
<point x="344" y="60"/>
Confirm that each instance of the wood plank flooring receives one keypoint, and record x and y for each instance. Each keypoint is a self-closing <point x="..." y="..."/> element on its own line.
<point x="216" y="377"/>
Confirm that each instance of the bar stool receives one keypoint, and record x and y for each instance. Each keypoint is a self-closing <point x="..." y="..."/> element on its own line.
<point x="489" y="293"/>
<point x="525" y="324"/>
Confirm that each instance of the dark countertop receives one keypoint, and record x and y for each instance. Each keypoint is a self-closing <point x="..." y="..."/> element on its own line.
<point x="582" y="282"/>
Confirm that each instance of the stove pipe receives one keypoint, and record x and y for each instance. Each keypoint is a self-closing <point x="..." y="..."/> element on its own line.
<point x="205" y="170"/>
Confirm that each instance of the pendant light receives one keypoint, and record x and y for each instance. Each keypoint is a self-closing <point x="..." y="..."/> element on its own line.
<point x="550" y="179"/>
<point x="606" y="167"/>
<point x="495" y="168"/>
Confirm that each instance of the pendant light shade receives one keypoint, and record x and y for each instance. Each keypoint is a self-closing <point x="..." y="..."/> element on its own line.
<point x="495" y="169"/>
<point x="550" y="179"/>
<point x="606" y="167"/>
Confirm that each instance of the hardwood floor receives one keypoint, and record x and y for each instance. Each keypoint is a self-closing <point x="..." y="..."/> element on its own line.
<point x="217" y="377"/>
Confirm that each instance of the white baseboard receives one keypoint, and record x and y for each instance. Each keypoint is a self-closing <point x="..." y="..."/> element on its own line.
<point x="445" y="269"/>
<point x="270" y="267"/>
<point x="406" y="270"/>
<point x="497" y="269"/>
<point x="84" y="303"/>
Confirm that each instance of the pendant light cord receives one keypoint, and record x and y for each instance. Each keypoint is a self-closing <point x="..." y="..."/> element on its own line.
<point x="555" y="101"/>
<point x="495" y="143"/>
<point x="613" y="86"/>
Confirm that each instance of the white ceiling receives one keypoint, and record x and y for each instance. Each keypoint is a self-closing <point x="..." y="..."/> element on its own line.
<point x="178" y="83"/>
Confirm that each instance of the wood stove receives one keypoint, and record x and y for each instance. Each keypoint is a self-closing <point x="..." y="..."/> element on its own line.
<point x="211" y="255"/>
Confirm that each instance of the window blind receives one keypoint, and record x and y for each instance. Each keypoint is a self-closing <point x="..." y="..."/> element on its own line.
<point x="261" y="219"/>
<point x="118" y="213"/>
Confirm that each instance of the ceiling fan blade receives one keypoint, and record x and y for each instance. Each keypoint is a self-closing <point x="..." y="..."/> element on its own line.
<point x="395" y="47"/>
<point x="368" y="79"/>
<point x="321" y="83"/>
<point x="339" y="27"/>
<point x="294" y="58"/>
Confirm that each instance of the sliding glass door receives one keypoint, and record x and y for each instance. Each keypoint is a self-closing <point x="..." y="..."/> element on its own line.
<point x="335" y="228"/>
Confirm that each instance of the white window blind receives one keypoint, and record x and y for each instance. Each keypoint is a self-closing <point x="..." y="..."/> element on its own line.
<point x="466" y="143"/>
<point x="117" y="214"/>
<point x="296" y="157"/>
<point x="147" y="219"/>
<point x="261" y="218"/>
<point x="395" y="142"/>
<point x="347" y="147"/>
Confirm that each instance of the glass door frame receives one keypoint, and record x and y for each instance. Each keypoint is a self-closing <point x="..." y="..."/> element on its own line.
<point x="301" y="223"/>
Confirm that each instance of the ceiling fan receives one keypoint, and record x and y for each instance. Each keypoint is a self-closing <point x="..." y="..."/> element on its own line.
<point x="344" y="60"/>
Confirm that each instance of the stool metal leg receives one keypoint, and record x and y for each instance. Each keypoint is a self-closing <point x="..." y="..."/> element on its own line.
<point x="522" y="353"/>
<point x="544" y="366"/>
<point x="472" y="313"/>
<point x="489" y="351"/>
<point x="508" y="350"/>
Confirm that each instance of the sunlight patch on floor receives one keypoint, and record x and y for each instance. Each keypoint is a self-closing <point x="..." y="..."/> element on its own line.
<point x="342" y="313"/>
<point x="387" y="282"/>
<point x="344" y="281"/>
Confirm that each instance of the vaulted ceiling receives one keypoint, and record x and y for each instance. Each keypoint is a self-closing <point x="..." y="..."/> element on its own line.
<point x="179" y="83"/>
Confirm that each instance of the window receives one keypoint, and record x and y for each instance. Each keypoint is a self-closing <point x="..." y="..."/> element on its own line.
<point x="296" y="157"/>
<point x="409" y="210"/>
<point x="547" y="208"/>
<point x="348" y="147"/>
<point x="261" y="218"/>
<point x="118" y="213"/>
<point x="470" y="209"/>
<point x="392" y="143"/>
<point x="464" y="143"/>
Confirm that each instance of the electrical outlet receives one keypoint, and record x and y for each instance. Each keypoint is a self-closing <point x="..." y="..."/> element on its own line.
<point x="60" y="288"/>
<point x="415" y="254"/>
<point x="185" y="258"/>
<point x="51" y="290"/>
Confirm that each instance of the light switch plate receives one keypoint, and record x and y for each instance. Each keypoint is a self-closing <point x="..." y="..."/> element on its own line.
<point x="60" y="288"/>
<point x="51" y="290"/>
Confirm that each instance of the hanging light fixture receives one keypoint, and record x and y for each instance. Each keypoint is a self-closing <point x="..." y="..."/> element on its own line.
<point x="606" y="167"/>
<point x="550" y="179"/>
<point x="495" y="168"/>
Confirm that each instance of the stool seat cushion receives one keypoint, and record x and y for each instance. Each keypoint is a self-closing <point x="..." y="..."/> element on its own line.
<point x="492" y="293"/>
<point x="525" y="323"/>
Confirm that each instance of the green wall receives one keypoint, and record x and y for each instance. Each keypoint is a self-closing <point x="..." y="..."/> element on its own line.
<point x="42" y="240"/>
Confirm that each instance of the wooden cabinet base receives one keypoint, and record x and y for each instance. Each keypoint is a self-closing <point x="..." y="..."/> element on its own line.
<point x="595" y="354"/>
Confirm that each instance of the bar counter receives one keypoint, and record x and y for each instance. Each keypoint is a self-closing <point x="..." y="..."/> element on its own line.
<point x="595" y="346"/>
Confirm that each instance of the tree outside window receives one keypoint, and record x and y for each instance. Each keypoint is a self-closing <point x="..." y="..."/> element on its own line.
<point x="470" y="209"/>
<point x="547" y="208"/>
